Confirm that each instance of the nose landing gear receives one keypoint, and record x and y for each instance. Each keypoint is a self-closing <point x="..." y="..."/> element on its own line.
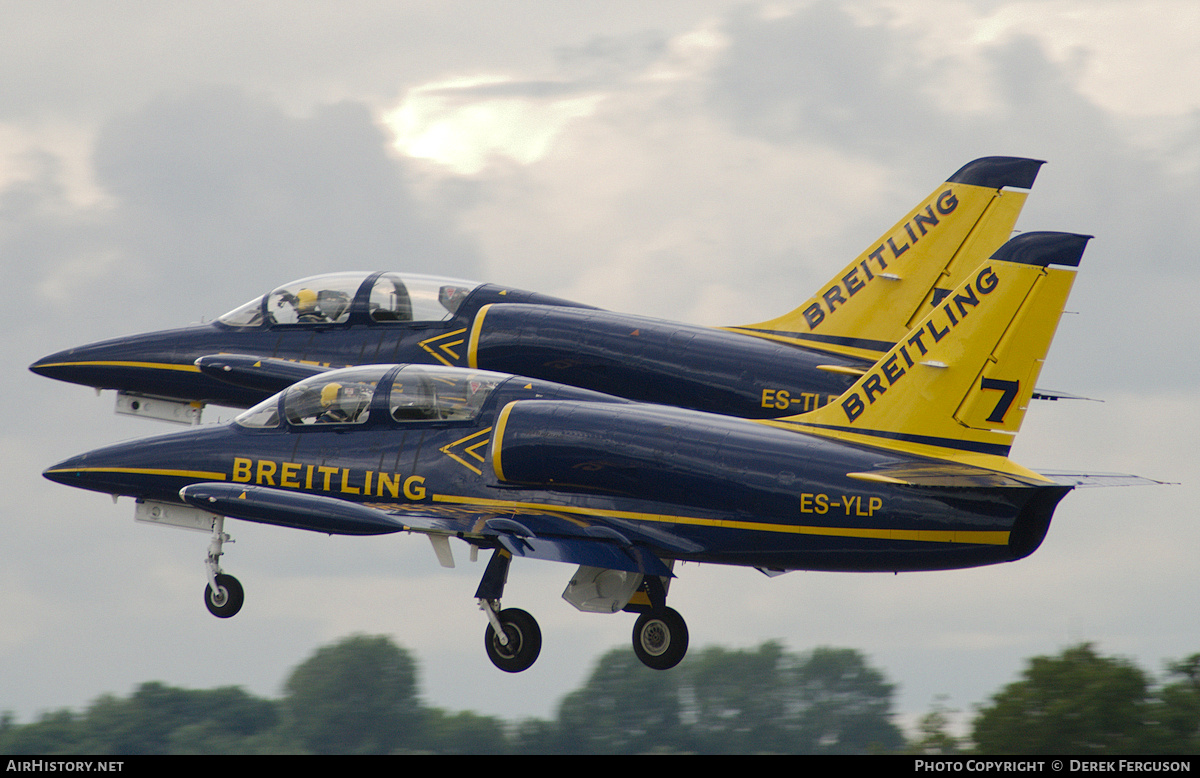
<point x="224" y="594"/>
<point x="513" y="638"/>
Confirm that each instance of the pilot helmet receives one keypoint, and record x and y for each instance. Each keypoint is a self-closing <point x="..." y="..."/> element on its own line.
<point x="329" y="394"/>
<point x="306" y="299"/>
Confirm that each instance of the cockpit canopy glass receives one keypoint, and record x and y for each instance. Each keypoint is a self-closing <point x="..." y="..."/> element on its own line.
<point x="440" y="394"/>
<point x="417" y="393"/>
<point x="416" y="298"/>
<point x="341" y="397"/>
<point x="328" y="299"/>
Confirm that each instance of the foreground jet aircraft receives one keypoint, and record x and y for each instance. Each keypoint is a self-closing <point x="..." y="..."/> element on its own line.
<point x="907" y="470"/>
<point x="775" y="368"/>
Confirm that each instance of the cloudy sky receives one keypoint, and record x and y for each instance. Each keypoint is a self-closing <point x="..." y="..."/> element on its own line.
<point x="700" y="160"/>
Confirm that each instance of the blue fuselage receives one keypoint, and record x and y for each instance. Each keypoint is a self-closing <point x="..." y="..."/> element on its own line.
<point x="560" y="462"/>
<point x="494" y="328"/>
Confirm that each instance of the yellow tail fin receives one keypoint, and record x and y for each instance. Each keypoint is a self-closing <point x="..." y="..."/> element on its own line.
<point x="878" y="297"/>
<point x="958" y="384"/>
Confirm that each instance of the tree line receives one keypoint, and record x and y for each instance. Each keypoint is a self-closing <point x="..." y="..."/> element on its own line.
<point x="361" y="696"/>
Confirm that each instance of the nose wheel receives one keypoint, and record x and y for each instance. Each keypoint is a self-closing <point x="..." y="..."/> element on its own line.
<point x="227" y="599"/>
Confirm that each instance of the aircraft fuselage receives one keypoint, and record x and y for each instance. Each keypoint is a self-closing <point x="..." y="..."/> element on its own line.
<point x="564" y="463"/>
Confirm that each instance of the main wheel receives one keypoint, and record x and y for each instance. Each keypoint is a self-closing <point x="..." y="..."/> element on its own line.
<point x="660" y="639"/>
<point x="227" y="599"/>
<point x="524" y="641"/>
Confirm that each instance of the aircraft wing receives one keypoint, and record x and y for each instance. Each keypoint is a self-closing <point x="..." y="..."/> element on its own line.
<point x="535" y="536"/>
<point x="265" y="374"/>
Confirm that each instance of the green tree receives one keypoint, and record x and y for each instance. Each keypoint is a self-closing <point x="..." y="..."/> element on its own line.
<point x="58" y="732"/>
<point x="733" y="699"/>
<point x="147" y="722"/>
<point x="1074" y="703"/>
<point x="464" y="733"/>
<point x="358" y="696"/>
<point x="838" y="704"/>
<point x="623" y="708"/>
<point x="1175" y="711"/>
<point x="721" y="701"/>
<point x="934" y="732"/>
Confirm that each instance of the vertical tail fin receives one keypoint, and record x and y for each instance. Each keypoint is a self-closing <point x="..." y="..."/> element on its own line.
<point x="878" y="297"/>
<point x="959" y="382"/>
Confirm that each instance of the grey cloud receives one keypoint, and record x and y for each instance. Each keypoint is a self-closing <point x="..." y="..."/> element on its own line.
<point x="820" y="77"/>
<point x="219" y="181"/>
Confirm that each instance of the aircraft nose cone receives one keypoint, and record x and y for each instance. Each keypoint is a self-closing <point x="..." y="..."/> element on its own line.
<point x="158" y="364"/>
<point x="68" y="472"/>
<point x="107" y="470"/>
<point x="56" y="365"/>
<point x="151" y="468"/>
<point x="104" y="365"/>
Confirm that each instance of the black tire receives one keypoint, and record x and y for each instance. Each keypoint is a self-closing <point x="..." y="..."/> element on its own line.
<point x="660" y="639"/>
<point x="524" y="641"/>
<point x="228" y="598"/>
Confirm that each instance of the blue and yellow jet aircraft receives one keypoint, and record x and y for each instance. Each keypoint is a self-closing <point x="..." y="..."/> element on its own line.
<point x="907" y="470"/>
<point x="779" y="367"/>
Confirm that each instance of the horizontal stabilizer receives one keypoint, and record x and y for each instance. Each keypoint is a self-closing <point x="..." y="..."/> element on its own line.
<point x="1051" y="394"/>
<point x="289" y="509"/>
<point x="946" y="474"/>
<point x="1079" y="480"/>
<point x="264" y="374"/>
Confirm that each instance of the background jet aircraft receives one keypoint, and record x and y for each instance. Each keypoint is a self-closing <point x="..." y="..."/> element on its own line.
<point x="907" y="470"/>
<point x="780" y="367"/>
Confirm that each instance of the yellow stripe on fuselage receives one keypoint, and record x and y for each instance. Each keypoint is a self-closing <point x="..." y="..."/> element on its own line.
<point x="929" y="536"/>
<point x="974" y="537"/>
<point x="201" y="474"/>
<point x="147" y="365"/>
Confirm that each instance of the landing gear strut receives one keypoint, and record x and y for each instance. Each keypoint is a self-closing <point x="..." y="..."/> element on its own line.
<point x="660" y="635"/>
<point x="513" y="639"/>
<point x="224" y="594"/>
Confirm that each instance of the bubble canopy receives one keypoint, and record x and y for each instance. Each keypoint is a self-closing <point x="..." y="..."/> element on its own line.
<point x="354" y="297"/>
<point x="377" y="394"/>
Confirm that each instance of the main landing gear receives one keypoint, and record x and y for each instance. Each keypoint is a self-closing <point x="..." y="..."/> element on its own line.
<point x="660" y="635"/>
<point x="513" y="639"/>
<point x="223" y="595"/>
<point x="660" y="638"/>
